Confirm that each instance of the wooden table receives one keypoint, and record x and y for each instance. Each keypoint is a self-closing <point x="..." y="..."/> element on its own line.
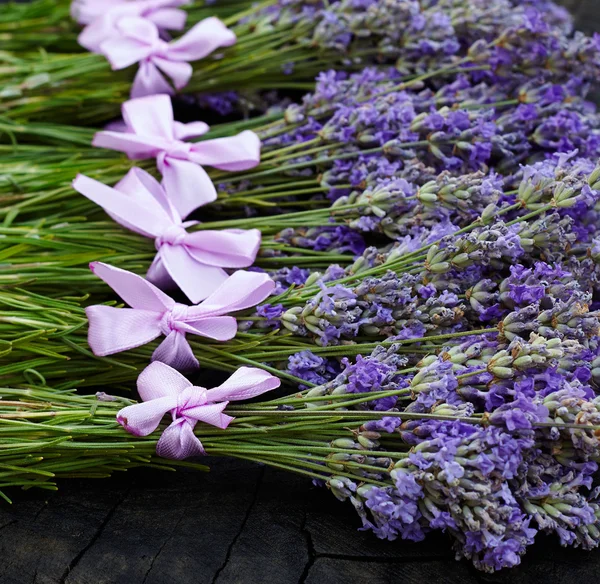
<point x="239" y="524"/>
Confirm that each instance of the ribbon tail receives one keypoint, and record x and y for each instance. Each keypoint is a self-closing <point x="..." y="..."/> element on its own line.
<point x="149" y="81"/>
<point x="187" y="185"/>
<point x="241" y="290"/>
<point x="143" y="418"/>
<point x="201" y="40"/>
<point x="178" y="441"/>
<point x="112" y="330"/>
<point x="196" y="280"/>
<point x="245" y="383"/>
<point x="234" y="153"/>
<point x="229" y="248"/>
<point x="176" y="352"/>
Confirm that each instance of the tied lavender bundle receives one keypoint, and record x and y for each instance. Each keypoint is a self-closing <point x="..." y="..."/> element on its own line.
<point x="379" y="128"/>
<point x="427" y="287"/>
<point x="54" y="25"/>
<point x="485" y="458"/>
<point x="288" y="42"/>
<point x="383" y="162"/>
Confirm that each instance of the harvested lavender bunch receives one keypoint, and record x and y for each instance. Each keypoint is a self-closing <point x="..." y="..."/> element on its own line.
<point x="492" y="486"/>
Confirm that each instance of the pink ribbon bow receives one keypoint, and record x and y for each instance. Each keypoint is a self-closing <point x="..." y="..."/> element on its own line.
<point x="152" y="132"/>
<point x="164" y="390"/>
<point x="153" y="313"/>
<point x="137" y="40"/>
<point x="101" y="17"/>
<point x="194" y="261"/>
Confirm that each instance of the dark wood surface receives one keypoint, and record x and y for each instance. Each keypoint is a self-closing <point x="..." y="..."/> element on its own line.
<point x="237" y="524"/>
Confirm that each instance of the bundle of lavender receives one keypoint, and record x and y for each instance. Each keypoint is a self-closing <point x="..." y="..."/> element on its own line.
<point x="284" y="45"/>
<point x="379" y="127"/>
<point x="416" y="287"/>
<point x="491" y="445"/>
<point x="379" y="164"/>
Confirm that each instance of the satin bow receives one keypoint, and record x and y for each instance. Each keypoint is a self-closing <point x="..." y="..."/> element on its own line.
<point x="194" y="261"/>
<point x="153" y="313"/>
<point x="137" y="40"/>
<point x="152" y="132"/>
<point x="164" y="390"/>
<point x="101" y="17"/>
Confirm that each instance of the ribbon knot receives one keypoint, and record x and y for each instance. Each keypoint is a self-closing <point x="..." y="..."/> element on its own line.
<point x="175" y="149"/>
<point x="153" y="313"/>
<point x="172" y="235"/>
<point x="190" y="398"/>
<point x="137" y="40"/>
<point x="164" y="390"/>
<point x="179" y="149"/>
<point x="196" y="261"/>
<point x="159" y="48"/>
<point x="174" y="319"/>
<point x="152" y="132"/>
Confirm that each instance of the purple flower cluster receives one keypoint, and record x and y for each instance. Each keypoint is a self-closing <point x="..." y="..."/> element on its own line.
<point x="386" y="306"/>
<point x="528" y="468"/>
<point x="513" y="38"/>
<point x="467" y="205"/>
<point x="312" y="368"/>
<point x="337" y="239"/>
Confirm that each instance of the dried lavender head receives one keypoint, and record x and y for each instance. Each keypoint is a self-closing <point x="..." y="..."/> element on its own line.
<point x="461" y="472"/>
<point x="389" y="305"/>
<point x="312" y="368"/>
<point x="418" y="35"/>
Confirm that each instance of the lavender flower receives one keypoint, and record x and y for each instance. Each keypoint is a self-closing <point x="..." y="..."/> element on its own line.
<point x="312" y="368"/>
<point x="385" y="306"/>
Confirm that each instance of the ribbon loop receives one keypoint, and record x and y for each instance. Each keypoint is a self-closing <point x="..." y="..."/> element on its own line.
<point x="164" y="390"/>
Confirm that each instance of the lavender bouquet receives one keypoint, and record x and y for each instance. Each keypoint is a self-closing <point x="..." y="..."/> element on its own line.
<point x="412" y="256"/>
<point x="285" y="44"/>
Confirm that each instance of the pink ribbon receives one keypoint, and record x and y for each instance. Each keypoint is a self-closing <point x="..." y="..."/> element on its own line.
<point x="102" y="16"/>
<point x="152" y="132"/>
<point x="194" y="261"/>
<point x="137" y="40"/>
<point x="164" y="390"/>
<point x="153" y="313"/>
